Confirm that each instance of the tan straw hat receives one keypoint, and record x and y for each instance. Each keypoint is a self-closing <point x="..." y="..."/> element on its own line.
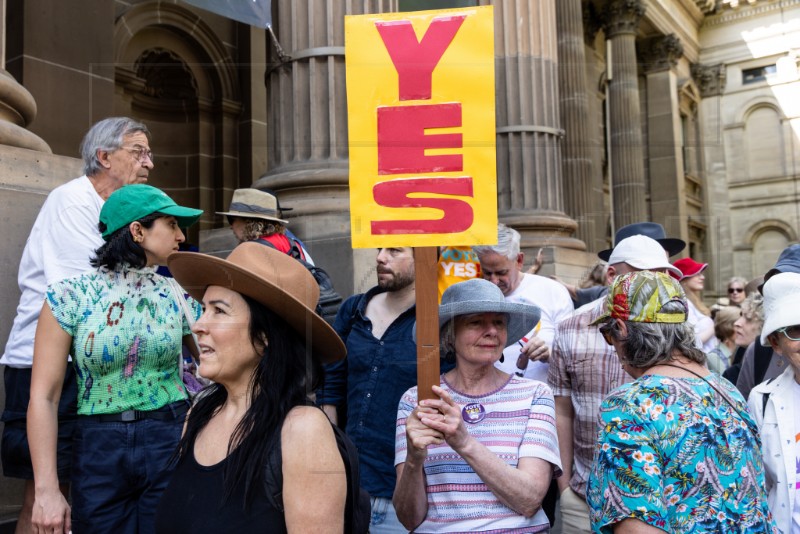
<point x="253" y="204"/>
<point x="273" y="278"/>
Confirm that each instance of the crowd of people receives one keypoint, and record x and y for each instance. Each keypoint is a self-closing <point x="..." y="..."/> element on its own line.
<point x="628" y="400"/>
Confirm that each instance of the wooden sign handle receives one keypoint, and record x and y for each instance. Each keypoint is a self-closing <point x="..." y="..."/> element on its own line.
<point x="426" y="265"/>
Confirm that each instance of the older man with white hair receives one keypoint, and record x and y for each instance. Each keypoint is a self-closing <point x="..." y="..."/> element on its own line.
<point x="501" y="264"/>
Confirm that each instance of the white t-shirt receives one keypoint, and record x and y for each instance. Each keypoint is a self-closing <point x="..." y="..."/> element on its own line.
<point x="62" y="240"/>
<point x="556" y="305"/>
<point x="701" y="323"/>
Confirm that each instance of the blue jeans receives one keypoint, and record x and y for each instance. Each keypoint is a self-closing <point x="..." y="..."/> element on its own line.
<point x="119" y="471"/>
<point x="384" y="518"/>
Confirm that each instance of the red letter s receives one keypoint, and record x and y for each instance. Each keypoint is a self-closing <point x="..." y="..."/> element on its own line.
<point x="458" y="214"/>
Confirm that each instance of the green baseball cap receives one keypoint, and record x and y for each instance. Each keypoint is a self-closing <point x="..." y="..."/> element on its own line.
<point x="132" y="202"/>
<point x="639" y="297"/>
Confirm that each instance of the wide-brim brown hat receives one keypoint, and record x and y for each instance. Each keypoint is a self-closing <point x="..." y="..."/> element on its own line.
<point x="276" y="280"/>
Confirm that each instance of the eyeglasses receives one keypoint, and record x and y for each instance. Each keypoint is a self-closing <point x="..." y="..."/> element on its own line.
<point x="735" y="290"/>
<point x="605" y="331"/>
<point x="140" y="153"/>
<point x="791" y="332"/>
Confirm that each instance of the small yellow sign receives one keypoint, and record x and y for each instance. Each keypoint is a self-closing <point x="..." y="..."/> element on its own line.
<point x="421" y="112"/>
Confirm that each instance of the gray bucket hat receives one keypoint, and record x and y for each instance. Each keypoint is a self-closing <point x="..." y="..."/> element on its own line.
<point x="481" y="296"/>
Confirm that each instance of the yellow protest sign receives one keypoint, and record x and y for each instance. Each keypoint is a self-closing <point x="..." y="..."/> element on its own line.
<point x="420" y="99"/>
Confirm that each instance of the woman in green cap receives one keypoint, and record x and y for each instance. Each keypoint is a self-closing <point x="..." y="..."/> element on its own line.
<point x="124" y="326"/>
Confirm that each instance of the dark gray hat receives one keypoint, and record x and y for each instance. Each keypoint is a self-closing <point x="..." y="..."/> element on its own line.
<point x="648" y="229"/>
<point x="481" y="296"/>
<point x="788" y="262"/>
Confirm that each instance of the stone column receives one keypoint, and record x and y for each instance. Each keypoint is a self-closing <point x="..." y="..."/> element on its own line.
<point x="621" y="17"/>
<point x="583" y="182"/>
<point x="710" y="80"/>
<point x="529" y="134"/>
<point x="17" y="106"/>
<point x="307" y="151"/>
<point x="659" y="56"/>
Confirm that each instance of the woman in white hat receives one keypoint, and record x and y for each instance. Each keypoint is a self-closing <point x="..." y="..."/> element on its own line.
<point x="481" y="456"/>
<point x="775" y="404"/>
<point x="262" y="345"/>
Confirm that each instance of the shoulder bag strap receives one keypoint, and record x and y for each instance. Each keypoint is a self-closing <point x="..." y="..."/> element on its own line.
<point x="177" y="293"/>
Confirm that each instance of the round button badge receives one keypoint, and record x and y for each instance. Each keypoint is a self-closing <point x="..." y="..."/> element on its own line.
<point x="473" y="413"/>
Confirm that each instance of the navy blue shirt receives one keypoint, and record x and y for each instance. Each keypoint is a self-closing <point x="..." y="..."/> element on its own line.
<point x="373" y="377"/>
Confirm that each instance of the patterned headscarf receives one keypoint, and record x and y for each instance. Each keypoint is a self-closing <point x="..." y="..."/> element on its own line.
<point x="640" y="296"/>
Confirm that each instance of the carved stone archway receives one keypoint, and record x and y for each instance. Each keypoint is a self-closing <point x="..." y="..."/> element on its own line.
<point x="174" y="73"/>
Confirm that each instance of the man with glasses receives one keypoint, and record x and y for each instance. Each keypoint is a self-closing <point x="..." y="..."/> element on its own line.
<point x="116" y="152"/>
<point x="584" y="368"/>
<point x="775" y="404"/>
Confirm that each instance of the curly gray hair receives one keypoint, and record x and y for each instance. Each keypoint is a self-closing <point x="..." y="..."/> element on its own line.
<point x="649" y="344"/>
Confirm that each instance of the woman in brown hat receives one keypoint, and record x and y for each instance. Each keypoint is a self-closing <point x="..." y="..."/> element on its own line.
<point x="262" y="345"/>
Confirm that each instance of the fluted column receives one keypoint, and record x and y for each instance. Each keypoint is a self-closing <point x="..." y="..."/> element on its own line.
<point x="658" y="57"/>
<point x="621" y="17"/>
<point x="529" y="178"/>
<point x="17" y="106"/>
<point x="307" y="153"/>
<point x="583" y="184"/>
<point x="720" y="243"/>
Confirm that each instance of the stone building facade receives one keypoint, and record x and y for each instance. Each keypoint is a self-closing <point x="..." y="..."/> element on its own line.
<point x="682" y="112"/>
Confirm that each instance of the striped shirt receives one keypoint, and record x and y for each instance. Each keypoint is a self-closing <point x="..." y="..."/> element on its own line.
<point x="519" y="422"/>
<point x="584" y="368"/>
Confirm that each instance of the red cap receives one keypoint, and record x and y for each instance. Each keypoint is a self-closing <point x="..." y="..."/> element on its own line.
<point x="688" y="267"/>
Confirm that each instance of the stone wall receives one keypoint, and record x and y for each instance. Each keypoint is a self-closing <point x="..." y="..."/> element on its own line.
<point x="26" y="178"/>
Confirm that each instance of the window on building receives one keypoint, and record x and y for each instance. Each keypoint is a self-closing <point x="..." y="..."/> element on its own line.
<point x="421" y="5"/>
<point x="763" y="143"/>
<point x="768" y="246"/>
<point x="758" y="74"/>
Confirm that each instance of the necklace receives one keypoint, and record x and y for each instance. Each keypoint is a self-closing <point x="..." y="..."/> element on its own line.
<point x="722" y="394"/>
<point x="679" y="367"/>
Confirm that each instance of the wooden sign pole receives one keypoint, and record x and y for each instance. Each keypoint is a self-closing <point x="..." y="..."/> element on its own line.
<point x="426" y="264"/>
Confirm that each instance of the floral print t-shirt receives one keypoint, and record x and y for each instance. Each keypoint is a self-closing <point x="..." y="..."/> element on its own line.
<point x="673" y="454"/>
<point x="127" y="330"/>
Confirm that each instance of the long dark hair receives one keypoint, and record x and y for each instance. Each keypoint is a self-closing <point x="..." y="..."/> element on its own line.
<point x="285" y="374"/>
<point x="120" y="248"/>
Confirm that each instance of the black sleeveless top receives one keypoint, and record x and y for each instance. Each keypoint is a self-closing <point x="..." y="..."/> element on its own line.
<point x="193" y="503"/>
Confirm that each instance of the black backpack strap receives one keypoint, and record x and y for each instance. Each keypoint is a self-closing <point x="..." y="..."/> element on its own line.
<point x="761" y="359"/>
<point x="765" y="398"/>
<point x="296" y="251"/>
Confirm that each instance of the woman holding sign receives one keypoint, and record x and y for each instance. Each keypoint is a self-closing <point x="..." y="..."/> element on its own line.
<point x="481" y="457"/>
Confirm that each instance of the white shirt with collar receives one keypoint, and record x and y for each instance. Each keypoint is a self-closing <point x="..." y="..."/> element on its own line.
<point x="777" y="424"/>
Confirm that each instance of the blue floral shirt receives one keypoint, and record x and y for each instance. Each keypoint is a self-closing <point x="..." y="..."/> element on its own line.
<point x="673" y="454"/>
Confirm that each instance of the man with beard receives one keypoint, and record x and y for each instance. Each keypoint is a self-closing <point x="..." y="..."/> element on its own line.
<point x="381" y="365"/>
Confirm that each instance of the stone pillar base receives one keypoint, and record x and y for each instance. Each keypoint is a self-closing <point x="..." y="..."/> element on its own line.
<point x="543" y="229"/>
